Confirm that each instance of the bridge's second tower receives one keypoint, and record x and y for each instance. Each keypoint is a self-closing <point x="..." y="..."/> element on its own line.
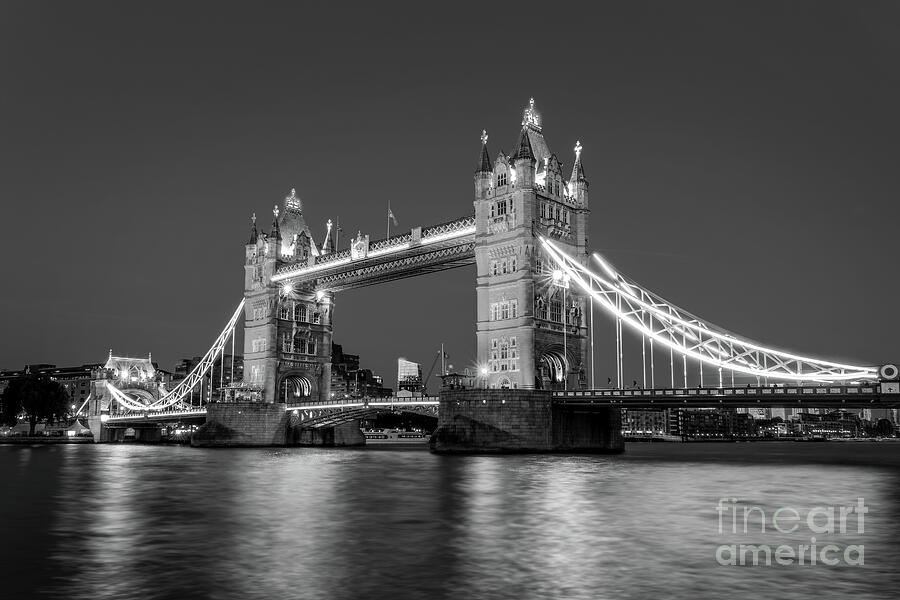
<point x="532" y="326"/>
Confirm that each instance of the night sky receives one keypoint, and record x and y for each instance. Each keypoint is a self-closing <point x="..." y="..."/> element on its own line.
<point x="743" y="161"/>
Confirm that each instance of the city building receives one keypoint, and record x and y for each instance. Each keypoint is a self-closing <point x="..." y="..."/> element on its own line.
<point x="348" y="380"/>
<point x="644" y="422"/>
<point x="75" y="379"/>
<point x="714" y="423"/>
<point x="409" y="377"/>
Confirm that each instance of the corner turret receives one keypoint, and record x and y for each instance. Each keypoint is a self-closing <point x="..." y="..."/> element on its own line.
<point x="484" y="174"/>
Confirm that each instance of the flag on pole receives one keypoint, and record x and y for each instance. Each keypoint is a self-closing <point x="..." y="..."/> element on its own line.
<point x="391" y="216"/>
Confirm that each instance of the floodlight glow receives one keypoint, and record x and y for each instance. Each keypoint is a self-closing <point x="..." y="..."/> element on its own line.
<point x="287" y="289"/>
<point x="319" y="295"/>
<point x="557" y="274"/>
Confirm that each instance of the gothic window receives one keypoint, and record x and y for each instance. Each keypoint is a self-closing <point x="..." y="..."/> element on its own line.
<point x="542" y="308"/>
<point x="285" y="342"/>
<point x="504" y="310"/>
<point x="513" y="267"/>
<point x="555" y="311"/>
<point x="311" y="347"/>
<point x="493" y="312"/>
<point x="317" y="317"/>
<point x="503" y="266"/>
<point x="513" y="309"/>
<point x="300" y="312"/>
<point x="501" y="179"/>
<point x="512" y="341"/>
<point x="567" y="217"/>
<point x="493" y="267"/>
<point x="504" y="352"/>
<point x="285" y="312"/>
<point x="557" y="213"/>
<point x="494" y="343"/>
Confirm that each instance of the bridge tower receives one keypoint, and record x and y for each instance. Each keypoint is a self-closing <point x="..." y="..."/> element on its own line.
<point x="532" y="327"/>
<point x="287" y="328"/>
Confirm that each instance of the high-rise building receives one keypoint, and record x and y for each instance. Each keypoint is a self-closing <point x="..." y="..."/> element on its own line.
<point x="409" y="376"/>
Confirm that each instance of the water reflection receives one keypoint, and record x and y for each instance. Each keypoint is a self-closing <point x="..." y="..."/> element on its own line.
<point x="158" y="522"/>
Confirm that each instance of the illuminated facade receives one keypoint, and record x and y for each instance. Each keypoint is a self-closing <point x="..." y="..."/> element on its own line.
<point x="287" y="327"/>
<point x="532" y="328"/>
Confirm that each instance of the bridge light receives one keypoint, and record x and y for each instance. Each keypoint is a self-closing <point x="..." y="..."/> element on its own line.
<point x="483" y="371"/>
<point x="287" y="289"/>
<point x="557" y="275"/>
<point x="320" y="295"/>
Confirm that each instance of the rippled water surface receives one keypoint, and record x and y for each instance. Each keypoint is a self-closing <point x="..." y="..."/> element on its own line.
<point x="129" y="521"/>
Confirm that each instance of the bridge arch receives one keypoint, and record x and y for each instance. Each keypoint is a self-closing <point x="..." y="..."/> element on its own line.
<point x="553" y="365"/>
<point x="295" y="387"/>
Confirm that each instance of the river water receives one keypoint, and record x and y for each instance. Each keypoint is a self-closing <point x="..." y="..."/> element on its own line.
<point x="132" y="521"/>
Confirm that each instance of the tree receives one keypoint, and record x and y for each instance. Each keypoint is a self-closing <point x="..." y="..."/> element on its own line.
<point x="36" y="395"/>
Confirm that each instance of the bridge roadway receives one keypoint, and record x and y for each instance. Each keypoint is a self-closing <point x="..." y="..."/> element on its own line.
<point x="313" y="414"/>
<point x="321" y="414"/>
<point x="834" y="396"/>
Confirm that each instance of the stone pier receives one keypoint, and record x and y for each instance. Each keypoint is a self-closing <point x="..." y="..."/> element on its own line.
<point x="242" y="424"/>
<point x="514" y="420"/>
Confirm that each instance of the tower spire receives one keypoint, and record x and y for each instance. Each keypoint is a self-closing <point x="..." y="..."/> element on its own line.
<point x="276" y="231"/>
<point x="524" y="146"/>
<point x="254" y="234"/>
<point x="577" y="168"/>
<point x="484" y="165"/>
<point x="326" y="244"/>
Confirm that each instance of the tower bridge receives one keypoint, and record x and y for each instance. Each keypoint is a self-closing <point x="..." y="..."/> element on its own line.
<point x="537" y="288"/>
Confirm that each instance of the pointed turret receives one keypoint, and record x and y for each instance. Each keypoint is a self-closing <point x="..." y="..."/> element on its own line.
<point x="254" y="234"/>
<point x="327" y="245"/>
<point x="578" y="183"/>
<point x="524" y="149"/>
<point x="577" y="168"/>
<point x="275" y="234"/>
<point x="484" y="165"/>
<point x="485" y="172"/>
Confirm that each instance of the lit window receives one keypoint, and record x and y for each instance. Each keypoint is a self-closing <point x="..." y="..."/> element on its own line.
<point x="300" y="312"/>
<point x="556" y="311"/>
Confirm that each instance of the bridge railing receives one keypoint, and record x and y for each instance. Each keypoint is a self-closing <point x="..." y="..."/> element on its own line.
<point x="751" y="390"/>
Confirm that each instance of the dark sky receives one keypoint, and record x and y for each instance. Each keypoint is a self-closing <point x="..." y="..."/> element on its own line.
<point x="742" y="159"/>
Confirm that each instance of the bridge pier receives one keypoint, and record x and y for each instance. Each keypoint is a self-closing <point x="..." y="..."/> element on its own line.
<point x="242" y="424"/>
<point x="516" y="420"/>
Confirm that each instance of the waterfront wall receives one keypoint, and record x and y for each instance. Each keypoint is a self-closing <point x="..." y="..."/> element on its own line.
<point x="514" y="420"/>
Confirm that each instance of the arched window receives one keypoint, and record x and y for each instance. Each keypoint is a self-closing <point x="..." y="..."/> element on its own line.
<point x="300" y="312"/>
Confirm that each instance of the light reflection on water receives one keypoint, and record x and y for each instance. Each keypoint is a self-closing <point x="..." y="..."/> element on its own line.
<point x="128" y="521"/>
